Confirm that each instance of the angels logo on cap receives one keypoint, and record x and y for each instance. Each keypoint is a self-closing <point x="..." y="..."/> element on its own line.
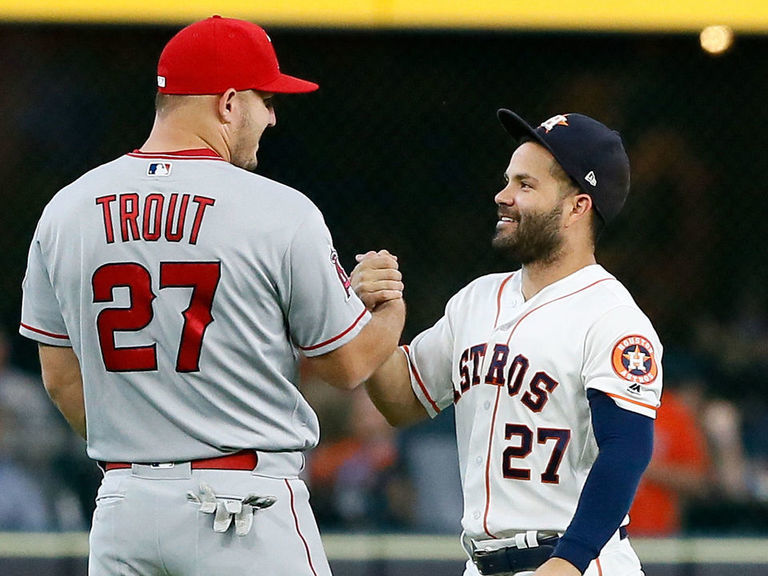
<point x="633" y="360"/>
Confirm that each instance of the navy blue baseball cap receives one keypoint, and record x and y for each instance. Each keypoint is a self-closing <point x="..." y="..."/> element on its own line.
<point x="590" y="153"/>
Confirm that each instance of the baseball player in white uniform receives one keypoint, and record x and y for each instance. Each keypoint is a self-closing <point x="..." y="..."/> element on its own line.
<point x="173" y="294"/>
<point x="553" y="369"/>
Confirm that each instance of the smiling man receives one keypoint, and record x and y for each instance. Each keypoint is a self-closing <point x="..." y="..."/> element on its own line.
<point x="554" y="371"/>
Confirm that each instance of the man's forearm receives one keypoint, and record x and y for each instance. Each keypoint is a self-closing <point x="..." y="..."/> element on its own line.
<point x="351" y="364"/>
<point x="71" y="404"/>
<point x="625" y="443"/>
<point x="64" y="384"/>
<point x="377" y="281"/>
<point x="390" y="390"/>
<point x="382" y="334"/>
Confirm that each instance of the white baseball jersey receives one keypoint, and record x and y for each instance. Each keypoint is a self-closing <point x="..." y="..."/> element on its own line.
<point x="187" y="288"/>
<point x="517" y="372"/>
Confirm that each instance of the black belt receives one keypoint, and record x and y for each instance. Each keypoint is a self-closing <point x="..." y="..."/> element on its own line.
<point x="512" y="559"/>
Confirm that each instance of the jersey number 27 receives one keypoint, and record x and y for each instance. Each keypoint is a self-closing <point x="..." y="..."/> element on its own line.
<point x="201" y="277"/>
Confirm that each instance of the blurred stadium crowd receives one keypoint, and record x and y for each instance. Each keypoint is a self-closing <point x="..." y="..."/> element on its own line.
<point x="401" y="149"/>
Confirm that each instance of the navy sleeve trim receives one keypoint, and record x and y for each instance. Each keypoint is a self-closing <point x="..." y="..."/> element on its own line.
<point x="625" y="443"/>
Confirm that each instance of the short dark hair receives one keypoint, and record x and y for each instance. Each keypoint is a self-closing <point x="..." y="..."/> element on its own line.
<point x="568" y="187"/>
<point x="162" y="102"/>
<point x="165" y="103"/>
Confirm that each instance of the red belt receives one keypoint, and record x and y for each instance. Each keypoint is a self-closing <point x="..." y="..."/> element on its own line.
<point x="243" y="460"/>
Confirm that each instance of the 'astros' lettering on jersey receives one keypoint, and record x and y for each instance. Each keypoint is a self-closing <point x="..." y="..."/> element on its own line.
<point x="517" y="372"/>
<point x="203" y="282"/>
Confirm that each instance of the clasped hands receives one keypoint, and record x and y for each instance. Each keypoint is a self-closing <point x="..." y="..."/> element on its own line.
<point x="376" y="278"/>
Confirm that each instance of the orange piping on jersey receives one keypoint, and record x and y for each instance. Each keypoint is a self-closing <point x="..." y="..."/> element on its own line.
<point x="44" y="333"/>
<point x="488" y="465"/>
<point x="599" y="567"/>
<point x="298" y="529"/>
<point x="316" y="346"/>
<point x="550" y="302"/>
<point x="495" y="408"/>
<point x="498" y="298"/>
<point x="649" y="406"/>
<point x="419" y="381"/>
<point x="197" y="154"/>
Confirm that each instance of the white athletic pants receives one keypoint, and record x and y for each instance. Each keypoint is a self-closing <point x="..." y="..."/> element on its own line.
<point x="145" y="524"/>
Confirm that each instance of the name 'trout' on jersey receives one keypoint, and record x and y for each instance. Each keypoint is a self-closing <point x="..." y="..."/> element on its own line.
<point x="188" y="288"/>
<point x="517" y="373"/>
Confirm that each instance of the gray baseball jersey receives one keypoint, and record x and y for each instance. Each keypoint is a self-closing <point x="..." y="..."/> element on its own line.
<point x="188" y="288"/>
<point x="517" y="372"/>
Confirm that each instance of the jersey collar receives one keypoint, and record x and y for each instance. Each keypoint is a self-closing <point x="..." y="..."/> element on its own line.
<point x="196" y="154"/>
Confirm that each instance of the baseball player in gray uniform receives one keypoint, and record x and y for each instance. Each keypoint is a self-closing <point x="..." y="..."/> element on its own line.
<point x="174" y="295"/>
<point x="554" y="372"/>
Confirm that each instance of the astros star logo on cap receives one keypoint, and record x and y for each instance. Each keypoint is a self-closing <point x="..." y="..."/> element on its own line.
<point x="559" y="120"/>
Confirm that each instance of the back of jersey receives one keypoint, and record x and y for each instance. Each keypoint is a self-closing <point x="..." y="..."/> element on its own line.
<point x="186" y="287"/>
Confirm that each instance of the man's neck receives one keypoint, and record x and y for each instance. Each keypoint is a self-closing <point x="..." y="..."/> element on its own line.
<point x="539" y="275"/>
<point x="170" y="137"/>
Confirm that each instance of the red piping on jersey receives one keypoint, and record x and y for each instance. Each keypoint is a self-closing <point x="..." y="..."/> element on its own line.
<point x="298" y="530"/>
<point x="196" y="154"/>
<point x="316" y="346"/>
<point x="617" y="396"/>
<point x="419" y="381"/>
<point x="44" y="333"/>
<point x="487" y="468"/>
<point x="498" y="297"/>
<point x="493" y="419"/>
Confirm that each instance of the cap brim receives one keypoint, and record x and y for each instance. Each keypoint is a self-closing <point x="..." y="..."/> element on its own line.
<point x="520" y="129"/>
<point x="285" y="84"/>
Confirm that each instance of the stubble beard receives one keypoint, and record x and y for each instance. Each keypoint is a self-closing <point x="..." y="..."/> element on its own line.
<point x="537" y="238"/>
<point x="243" y="152"/>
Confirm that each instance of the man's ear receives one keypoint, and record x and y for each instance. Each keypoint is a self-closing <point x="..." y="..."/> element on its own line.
<point x="580" y="208"/>
<point x="582" y="204"/>
<point x="225" y="105"/>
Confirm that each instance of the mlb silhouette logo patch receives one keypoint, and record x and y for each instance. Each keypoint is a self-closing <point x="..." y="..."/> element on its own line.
<point x="633" y="360"/>
<point x="159" y="169"/>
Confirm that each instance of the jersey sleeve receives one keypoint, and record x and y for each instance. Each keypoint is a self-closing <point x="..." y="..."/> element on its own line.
<point x="623" y="360"/>
<point x="41" y="318"/>
<point x="430" y="363"/>
<point x="323" y="311"/>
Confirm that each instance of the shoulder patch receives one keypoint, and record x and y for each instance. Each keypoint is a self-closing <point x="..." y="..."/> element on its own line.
<point x="634" y="360"/>
<point x="341" y="273"/>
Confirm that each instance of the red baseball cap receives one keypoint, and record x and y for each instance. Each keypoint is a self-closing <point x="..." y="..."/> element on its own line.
<point x="215" y="54"/>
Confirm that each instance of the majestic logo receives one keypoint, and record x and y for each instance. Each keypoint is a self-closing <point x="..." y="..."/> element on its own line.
<point x="159" y="169"/>
<point x="591" y="178"/>
<point x="343" y="278"/>
<point x="633" y="360"/>
<point x="635" y="388"/>
<point x="559" y="120"/>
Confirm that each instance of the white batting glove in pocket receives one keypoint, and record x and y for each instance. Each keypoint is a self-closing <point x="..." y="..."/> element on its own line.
<point x="225" y="508"/>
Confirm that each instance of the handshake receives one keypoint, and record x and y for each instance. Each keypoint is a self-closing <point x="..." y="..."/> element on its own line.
<point x="376" y="278"/>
